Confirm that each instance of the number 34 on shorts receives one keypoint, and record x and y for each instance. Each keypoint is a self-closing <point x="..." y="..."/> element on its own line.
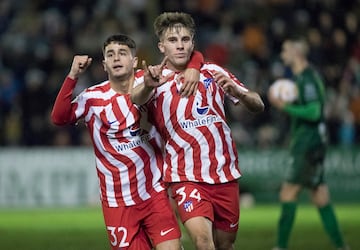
<point x="186" y="198"/>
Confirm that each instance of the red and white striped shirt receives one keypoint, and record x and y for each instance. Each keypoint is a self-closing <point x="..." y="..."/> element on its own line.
<point x="128" y="160"/>
<point x="198" y="142"/>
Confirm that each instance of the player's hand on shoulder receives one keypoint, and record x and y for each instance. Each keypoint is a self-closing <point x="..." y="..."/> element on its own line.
<point x="79" y="65"/>
<point x="190" y="78"/>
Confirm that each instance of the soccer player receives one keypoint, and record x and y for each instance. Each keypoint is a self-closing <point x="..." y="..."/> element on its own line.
<point x="308" y="145"/>
<point x="201" y="160"/>
<point x="135" y="205"/>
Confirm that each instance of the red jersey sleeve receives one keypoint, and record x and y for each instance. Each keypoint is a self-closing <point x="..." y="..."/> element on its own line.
<point x="62" y="113"/>
<point x="196" y="60"/>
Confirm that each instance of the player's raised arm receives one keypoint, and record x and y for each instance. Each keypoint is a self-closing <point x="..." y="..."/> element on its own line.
<point x="61" y="113"/>
<point x="152" y="78"/>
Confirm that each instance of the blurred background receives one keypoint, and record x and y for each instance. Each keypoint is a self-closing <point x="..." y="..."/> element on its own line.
<point x="39" y="39"/>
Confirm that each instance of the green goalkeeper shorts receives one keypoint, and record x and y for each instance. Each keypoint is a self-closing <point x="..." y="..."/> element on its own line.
<point x="307" y="168"/>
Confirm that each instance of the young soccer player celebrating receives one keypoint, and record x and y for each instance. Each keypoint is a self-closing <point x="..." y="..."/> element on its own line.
<point x="135" y="205"/>
<point x="201" y="160"/>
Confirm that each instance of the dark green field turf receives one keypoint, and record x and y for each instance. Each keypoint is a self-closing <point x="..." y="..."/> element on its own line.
<point x="83" y="229"/>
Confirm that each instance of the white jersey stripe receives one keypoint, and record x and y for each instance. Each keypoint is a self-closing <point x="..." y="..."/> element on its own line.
<point x="110" y="194"/>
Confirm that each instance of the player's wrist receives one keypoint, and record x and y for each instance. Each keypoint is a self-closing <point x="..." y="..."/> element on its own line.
<point x="72" y="76"/>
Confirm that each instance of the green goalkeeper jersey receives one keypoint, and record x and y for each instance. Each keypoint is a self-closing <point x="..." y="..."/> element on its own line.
<point x="307" y="112"/>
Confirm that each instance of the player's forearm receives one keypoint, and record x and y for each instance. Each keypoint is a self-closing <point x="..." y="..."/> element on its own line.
<point x="310" y="112"/>
<point x="61" y="112"/>
<point x="196" y="60"/>
<point x="141" y="94"/>
<point x="252" y="101"/>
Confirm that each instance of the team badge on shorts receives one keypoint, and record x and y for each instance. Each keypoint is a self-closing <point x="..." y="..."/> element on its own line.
<point x="188" y="206"/>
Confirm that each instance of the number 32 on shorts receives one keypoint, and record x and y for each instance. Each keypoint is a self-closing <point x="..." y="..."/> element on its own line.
<point x="120" y="231"/>
<point x="195" y="194"/>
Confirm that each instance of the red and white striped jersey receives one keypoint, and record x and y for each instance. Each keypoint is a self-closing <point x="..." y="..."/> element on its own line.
<point x="128" y="160"/>
<point x="198" y="142"/>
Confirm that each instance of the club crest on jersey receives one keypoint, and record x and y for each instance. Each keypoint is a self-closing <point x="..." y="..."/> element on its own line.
<point x="188" y="206"/>
<point x="207" y="84"/>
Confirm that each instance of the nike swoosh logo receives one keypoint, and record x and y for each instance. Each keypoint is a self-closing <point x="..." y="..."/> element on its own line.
<point x="162" y="233"/>
<point x="109" y="122"/>
<point x="232" y="225"/>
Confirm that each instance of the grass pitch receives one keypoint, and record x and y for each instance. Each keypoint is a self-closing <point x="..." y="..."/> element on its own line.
<point x="83" y="229"/>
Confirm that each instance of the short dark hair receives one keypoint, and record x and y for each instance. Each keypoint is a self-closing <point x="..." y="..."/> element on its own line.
<point x="121" y="39"/>
<point x="173" y="19"/>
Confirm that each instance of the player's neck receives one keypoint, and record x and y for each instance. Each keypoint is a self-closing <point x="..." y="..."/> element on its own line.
<point x="122" y="86"/>
<point x="175" y="68"/>
<point x="300" y="66"/>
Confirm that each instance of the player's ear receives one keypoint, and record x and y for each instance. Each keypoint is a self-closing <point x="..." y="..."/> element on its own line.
<point x="135" y="62"/>
<point x="161" y="47"/>
<point x="104" y="65"/>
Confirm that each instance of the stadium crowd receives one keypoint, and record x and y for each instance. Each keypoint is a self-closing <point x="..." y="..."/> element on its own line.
<point x="39" y="39"/>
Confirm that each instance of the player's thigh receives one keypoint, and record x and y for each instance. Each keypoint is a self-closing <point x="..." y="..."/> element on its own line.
<point x="124" y="229"/>
<point x="192" y="200"/>
<point x="160" y="222"/>
<point x="225" y="199"/>
<point x="200" y="230"/>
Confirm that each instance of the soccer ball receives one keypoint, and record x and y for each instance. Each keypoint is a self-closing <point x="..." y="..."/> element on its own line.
<point x="284" y="89"/>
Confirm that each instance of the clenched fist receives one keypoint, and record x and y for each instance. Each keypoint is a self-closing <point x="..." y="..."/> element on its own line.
<point x="79" y="65"/>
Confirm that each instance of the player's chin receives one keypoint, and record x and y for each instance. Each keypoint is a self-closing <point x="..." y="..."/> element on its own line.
<point x="180" y="62"/>
<point x="119" y="76"/>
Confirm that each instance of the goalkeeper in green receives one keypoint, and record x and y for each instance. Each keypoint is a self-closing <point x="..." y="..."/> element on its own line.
<point x="308" y="146"/>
